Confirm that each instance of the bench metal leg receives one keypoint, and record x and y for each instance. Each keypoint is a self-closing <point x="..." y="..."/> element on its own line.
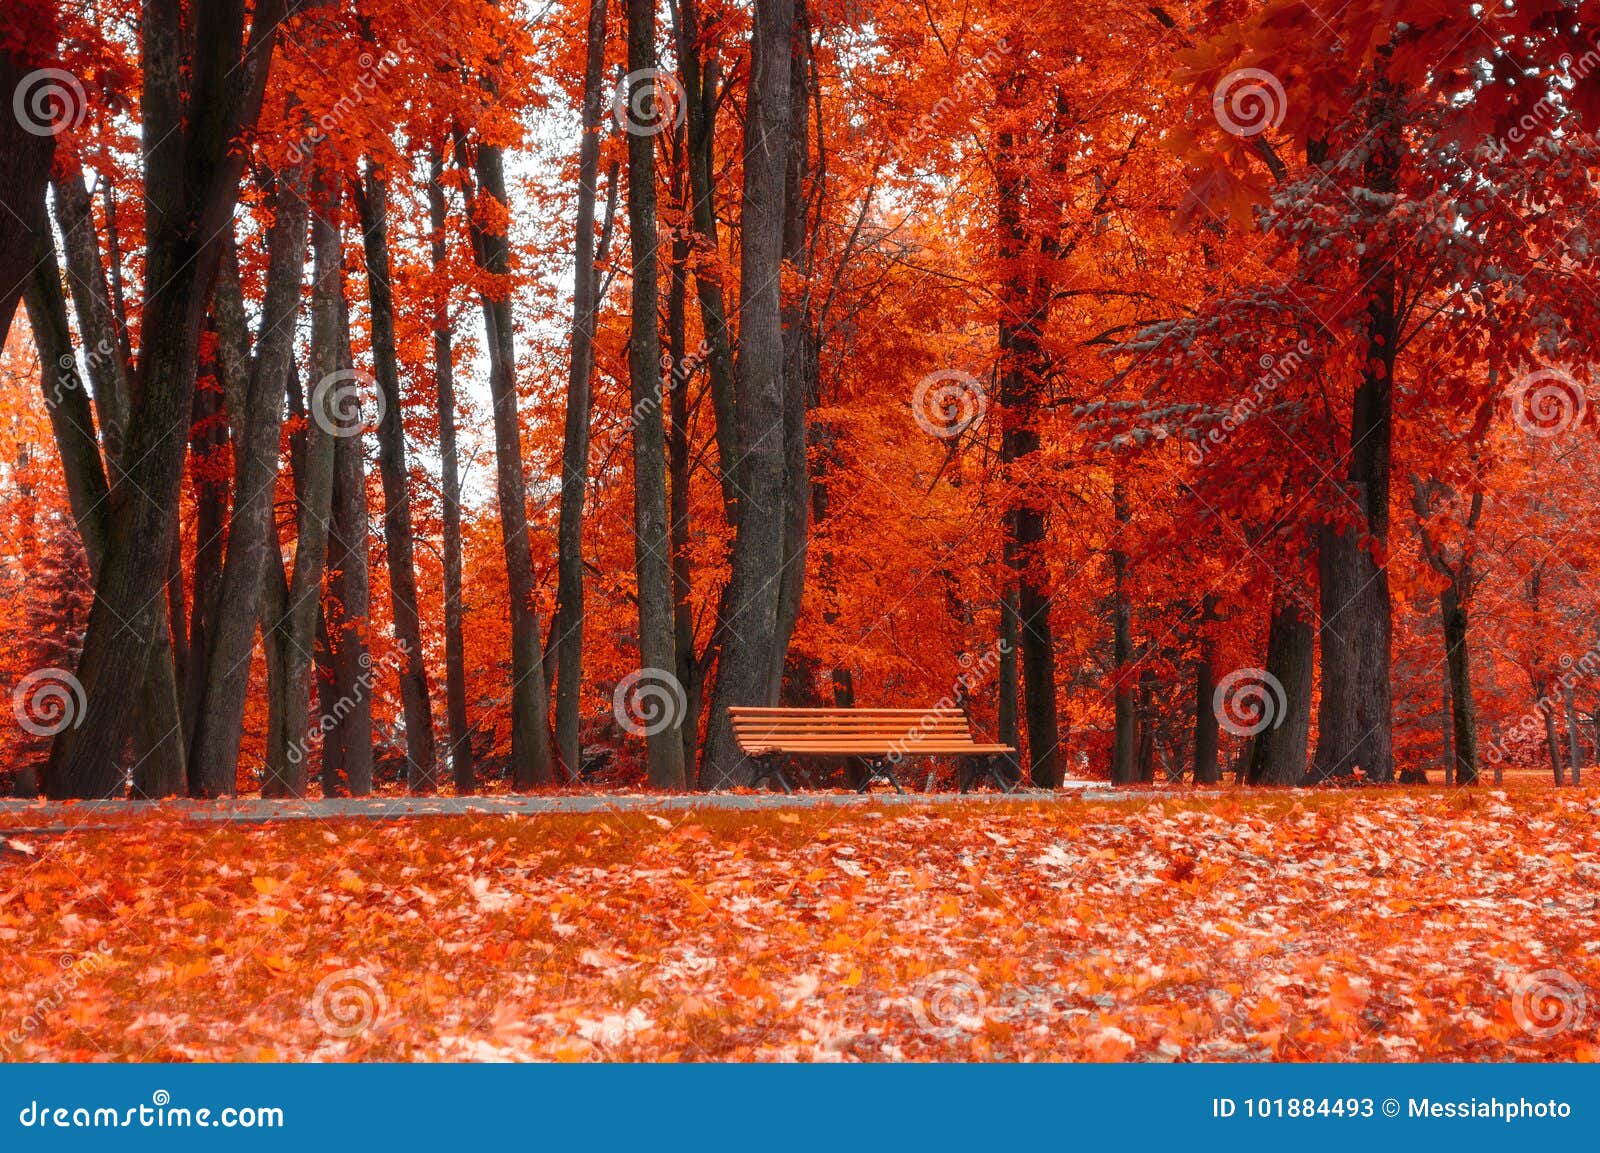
<point x="878" y="769"/>
<point x="768" y="769"/>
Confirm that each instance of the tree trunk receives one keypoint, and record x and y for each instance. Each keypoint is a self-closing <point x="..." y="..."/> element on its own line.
<point x="1463" y="711"/>
<point x="294" y="629"/>
<point x="702" y="89"/>
<point x="256" y="389"/>
<point x="652" y="546"/>
<point x="24" y="171"/>
<point x="462" y="769"/>
<point x="1359" y="734"/>
<point x="208" y="440"/>
<point x="751" y="625"/>
<point x="1207" y="768"/>
<point x="799" y="347"/>
<point x="679" y="465"/>
<point x="1575" y="754"/>
<point x="159" y="766"/>
<point x="1552" y="742"/>
<point x="532" y="765"/>
<point x="398" y="541"/>
<point x="1124" y="767"/>
<point x="97" y="318"/>
<point x="1278" y="752"/>
<point x="567" y="629"/>
<point x="193" y="105"/>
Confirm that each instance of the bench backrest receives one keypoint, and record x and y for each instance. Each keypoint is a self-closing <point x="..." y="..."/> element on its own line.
<point x="843" y="731"/>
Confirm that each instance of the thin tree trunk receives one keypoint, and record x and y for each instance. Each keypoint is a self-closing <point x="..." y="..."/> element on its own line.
<point x="1575" y="755"/>
<point x="348" y="564"/>
<point x="1463" y="710"/>
<point x="398" y="539"/>
<point x="256" y="388"/>
<point x="652" y="545"/>
<point x="799" y="345"/>
<point x="455" y="657"/>
<point x="1124" y="769"/>
<point x="295" y="627"/>
<point x="745" y="676"/>
<point x="532" y="763"/>
<point x="679" y="463"/>
<point x="567" y="629"/>
<point x="1278" y="752"/>
<point x="701" y="79"/>
<point x="1552" y="742"/>
<point x="97" y="318"/>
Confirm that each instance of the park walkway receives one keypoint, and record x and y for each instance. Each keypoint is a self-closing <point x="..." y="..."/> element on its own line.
<point x="28" y="816"/>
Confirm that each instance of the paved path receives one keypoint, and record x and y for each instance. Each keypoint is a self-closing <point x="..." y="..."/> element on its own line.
<point x="62" y="817"/>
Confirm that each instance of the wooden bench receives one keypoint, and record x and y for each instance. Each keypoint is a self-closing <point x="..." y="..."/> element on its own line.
<point x="881" y="738"/>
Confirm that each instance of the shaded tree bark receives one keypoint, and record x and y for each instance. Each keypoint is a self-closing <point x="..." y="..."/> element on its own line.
<point x="462" y="769"/>
<point x="255" y="389"/>
<point x="652" y="546"/>
<point x="24" y="172"/>
<point x="749" y="629"/>
<point x="567" y="628"/>
<point x="349" y="720"/>
<point x="398" y="539"/>
<point x="532" y="763"/>
<point x="293" y="627"/>
<point x="1278" y="752"/>
<point x="197" y="94"/>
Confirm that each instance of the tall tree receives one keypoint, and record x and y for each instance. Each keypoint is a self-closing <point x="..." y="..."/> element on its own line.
<point x="488" y="212"/>
<point x="398" y="543"/>
<point x="455" y="658"/>
<point x="199" y="92"/>
<point x="652" y="546"/>
<point x="566" y="634"/>
<point x="749" y="629"/>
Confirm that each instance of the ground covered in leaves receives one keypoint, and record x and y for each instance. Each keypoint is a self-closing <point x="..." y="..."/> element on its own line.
<point x="1369" y="925"/>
